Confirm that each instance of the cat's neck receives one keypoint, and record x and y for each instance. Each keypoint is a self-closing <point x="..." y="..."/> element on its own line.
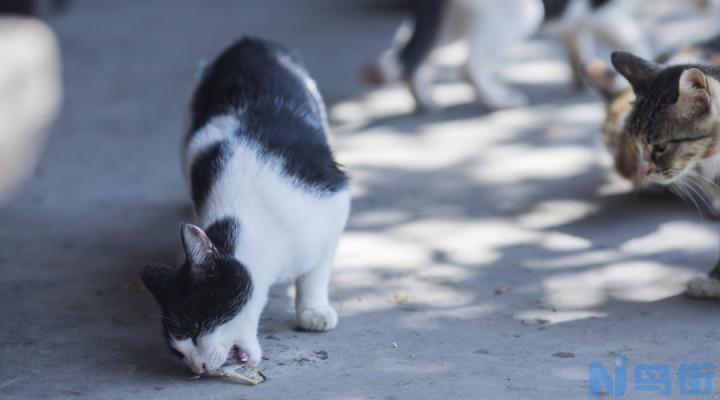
<point x="247" y="240"/>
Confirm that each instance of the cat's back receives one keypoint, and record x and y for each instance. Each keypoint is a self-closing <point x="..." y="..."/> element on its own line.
<point x="257" y="122"/>
<point x="253" y="77"/>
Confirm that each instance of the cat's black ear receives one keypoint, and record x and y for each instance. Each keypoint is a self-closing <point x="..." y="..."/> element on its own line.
<point x="199" y="249"/>
<point x="156" y="278"/>
<point x="601" y="77"/>
<point x="638" y="71"/>
<point x="695" y="91"/>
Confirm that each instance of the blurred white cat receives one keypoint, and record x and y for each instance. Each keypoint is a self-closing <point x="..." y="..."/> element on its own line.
<point x="488" y="28"/>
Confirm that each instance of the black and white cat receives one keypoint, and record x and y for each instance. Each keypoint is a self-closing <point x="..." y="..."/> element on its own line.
<point x="272" y="202"/>
<point x="488" y="28"/>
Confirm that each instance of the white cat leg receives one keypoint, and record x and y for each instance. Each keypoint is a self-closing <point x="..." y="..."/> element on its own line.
<point x="420" y="85"/>
<point x="312" y="305"/>
<point x="621" y="32"/>
<point x="496" y="27"/>
<point x="578" y="45"/>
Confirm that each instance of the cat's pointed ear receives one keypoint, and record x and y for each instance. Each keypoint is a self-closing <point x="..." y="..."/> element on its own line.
<point x="695" y="91"/>
<point x="638" y="71"/>
<point x="198" y="247"/>
<point x="601" y="77"/>
<point x="156" y="279"/>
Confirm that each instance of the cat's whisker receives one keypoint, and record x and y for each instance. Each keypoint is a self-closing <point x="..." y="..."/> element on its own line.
<point x="692" y="195"/>
<point x="679" y="189"/>
<point x="705" y="195"/>
<point x="701" y="193"/>
<point x="708" y="180"/>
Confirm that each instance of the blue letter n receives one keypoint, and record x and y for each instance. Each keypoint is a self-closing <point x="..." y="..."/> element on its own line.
<point x="600" y="378"/>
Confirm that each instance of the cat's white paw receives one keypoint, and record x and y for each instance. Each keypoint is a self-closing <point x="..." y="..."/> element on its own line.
<point x="317" y="319"/>
<point x="704" y="287"/>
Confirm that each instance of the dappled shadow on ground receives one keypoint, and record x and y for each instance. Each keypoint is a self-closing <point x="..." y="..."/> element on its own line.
<point x="508" y="229"/>
<point x="488" y="254"/>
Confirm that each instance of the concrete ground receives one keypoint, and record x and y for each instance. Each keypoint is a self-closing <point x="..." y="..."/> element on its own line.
<point x="489" y="256"/>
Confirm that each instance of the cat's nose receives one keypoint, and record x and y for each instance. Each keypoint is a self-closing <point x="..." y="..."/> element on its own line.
<point x="199" y="369"/>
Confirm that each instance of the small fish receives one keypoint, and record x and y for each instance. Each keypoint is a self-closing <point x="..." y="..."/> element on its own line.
<point x="242" y="374"/>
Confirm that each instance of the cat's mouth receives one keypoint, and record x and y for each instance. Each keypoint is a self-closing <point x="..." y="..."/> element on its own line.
<point x="238" y="355"/>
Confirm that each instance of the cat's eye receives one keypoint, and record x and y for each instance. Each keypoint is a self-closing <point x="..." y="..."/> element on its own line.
<point x="659" y="148"/>
<point x="195" y="332"/>
<point x="690" y="139"/>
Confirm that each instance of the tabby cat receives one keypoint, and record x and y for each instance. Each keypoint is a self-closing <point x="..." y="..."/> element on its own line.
<point x="674" y="123"/>
<point x="619" y="97"/>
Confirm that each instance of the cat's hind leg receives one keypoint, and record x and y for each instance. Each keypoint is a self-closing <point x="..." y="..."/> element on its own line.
<point x="312" y="304"/>
<point x="707" y="286"/>
<point x="420" y="85"/>
<point x="578" y="46"/>
<point x="496" y="27"/>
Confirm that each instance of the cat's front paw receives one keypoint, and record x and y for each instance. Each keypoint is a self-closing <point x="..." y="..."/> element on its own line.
<point x="317" y="319"/>
<point x="704" y="287"/>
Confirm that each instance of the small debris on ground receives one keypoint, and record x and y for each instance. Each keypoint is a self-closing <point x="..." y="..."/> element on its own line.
<point x="322" y="354"/>
<point x="563" y="354"/>
<point x="399" y="298"/>
<point x="482" y="351"/>
<point x="134" y="285"/>
<point x="395" y="345"/>
<point x="501" y="290"/>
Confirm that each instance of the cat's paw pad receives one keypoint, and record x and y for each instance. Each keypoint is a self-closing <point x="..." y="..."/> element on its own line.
<point x="317" y="319"/>
<point x="704" y="287"/>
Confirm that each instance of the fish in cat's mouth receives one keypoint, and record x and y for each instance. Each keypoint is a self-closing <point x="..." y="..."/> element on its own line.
<point x="238" y="355"/>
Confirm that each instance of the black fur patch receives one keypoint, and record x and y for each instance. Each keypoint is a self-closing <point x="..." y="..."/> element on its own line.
<point x="224" y="234"/>
<point x="205" y="171"/>
<point x="595" y="4"/>
<point x="649" y="115"/>
<point x="428" y="16"/>
<point x="192" y="307"/>
<point x="262" y="83"/>
<point x="556" y="8"/>
<point x="711" y="46"/>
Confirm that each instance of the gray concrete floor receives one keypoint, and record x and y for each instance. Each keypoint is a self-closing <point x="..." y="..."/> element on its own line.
<point x="515" y="257"/>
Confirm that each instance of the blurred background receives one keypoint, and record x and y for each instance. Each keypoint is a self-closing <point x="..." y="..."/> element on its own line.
<point x="489" y="254"/>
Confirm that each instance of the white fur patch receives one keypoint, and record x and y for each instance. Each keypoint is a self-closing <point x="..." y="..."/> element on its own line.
<point x="287" y="229"/>
<point x="489" y="28"/>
